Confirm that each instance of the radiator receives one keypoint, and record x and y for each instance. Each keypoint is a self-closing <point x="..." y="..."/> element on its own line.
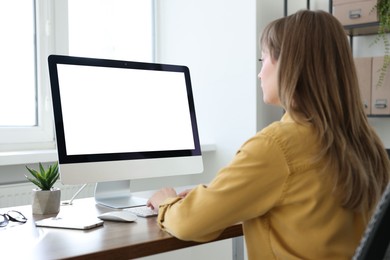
<point x="21" y="194"/>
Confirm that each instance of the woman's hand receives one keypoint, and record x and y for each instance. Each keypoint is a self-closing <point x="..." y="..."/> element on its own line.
<point x="161" y="195"/>
<point x="184" y="193"/>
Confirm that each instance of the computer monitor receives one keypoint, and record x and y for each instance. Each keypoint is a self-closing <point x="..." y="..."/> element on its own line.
<point x="116" y="121"/>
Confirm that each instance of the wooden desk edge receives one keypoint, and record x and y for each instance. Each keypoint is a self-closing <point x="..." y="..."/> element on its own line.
<point x="157" y="247"/>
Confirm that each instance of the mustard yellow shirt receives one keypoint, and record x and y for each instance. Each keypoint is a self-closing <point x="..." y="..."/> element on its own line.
<point x="286" y="206"/>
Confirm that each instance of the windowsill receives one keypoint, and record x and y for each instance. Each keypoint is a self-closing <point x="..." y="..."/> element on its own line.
<point x="27" y="157"/>
<point x="50" y="155"/>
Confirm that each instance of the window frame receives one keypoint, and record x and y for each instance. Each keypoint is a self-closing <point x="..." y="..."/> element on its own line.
<point x="22" y="145"/>
<point x="40" y="136"/>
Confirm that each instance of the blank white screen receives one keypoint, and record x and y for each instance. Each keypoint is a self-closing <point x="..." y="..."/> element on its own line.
<point x="114" y="110"/>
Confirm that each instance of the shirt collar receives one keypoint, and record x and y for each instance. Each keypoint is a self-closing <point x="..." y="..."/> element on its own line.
<point x="286" y="118"/>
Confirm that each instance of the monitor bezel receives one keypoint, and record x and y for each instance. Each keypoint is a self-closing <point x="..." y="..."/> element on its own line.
<point x="64" y="158"/>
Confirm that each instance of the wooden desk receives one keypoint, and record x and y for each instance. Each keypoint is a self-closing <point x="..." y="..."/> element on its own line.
<point x="112" y="241"/>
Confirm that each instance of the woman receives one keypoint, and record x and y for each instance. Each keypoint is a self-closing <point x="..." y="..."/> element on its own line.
<point x="304" y="187"/>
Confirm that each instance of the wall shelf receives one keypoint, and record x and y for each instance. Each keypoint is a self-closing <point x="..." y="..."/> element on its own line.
<point x="376" y="116"/>
<point x="362" y="29"/>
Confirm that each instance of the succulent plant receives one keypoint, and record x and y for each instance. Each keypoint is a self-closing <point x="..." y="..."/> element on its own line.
<point x="44" y="178"/>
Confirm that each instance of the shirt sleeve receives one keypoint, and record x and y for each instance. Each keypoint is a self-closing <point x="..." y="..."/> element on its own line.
<point x="247" y="188"/>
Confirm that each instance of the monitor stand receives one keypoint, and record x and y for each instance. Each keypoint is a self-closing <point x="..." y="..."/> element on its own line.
<point x="116" y="194"/>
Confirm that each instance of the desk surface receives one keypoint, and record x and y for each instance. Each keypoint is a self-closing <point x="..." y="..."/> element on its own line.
<point x="113" y="240"/>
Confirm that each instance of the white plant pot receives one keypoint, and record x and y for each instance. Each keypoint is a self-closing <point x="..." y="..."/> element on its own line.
<point x="46" y="201"/>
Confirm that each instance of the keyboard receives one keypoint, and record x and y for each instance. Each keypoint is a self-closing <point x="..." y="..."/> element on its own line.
<point x="143" y="211"/>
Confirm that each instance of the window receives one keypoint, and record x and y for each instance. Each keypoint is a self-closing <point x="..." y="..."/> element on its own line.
<point x="17" y="92"/>
<point x="25" y="112"/>
<point x="114" y="29"/>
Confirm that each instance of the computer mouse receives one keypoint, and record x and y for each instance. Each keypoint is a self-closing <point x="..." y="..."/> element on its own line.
<point x="119" y="215"/>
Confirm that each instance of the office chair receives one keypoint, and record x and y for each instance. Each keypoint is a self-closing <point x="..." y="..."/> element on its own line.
<point x="375" y="242"/>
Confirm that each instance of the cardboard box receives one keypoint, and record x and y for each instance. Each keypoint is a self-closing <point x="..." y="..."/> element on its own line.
<point x="380" y="101"/>
<point x="364" y="74"/>
<point x="350" y="12"/>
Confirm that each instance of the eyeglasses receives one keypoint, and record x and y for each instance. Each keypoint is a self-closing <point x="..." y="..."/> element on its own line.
<point x="12" y="215"/>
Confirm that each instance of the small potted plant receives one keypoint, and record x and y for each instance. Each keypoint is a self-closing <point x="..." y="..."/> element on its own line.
<point x="46" y="198"/>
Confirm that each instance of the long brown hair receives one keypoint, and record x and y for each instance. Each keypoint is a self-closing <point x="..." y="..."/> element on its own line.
<point x="318" y="84"/>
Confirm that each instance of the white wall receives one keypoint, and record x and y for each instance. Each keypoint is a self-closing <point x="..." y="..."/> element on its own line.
<point x="217" y="41"/>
